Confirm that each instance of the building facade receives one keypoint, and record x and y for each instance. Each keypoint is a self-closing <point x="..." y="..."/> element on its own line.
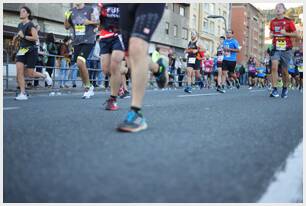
<point x="209" y="29"/>
<point x="172" y="33"/>
<point x="248" y="25"/>
<point x="49" y="17"/>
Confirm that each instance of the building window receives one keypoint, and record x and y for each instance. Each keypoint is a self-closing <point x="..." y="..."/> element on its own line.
<point x="224" y="14"/>
<point x="212" y="27"/>
<point x="206" y="7"/>
<point x="193" y="20"/>
<point x="219" y="30"/>
<point x="211" y="8"/>
<point x="175" y="30"/>
<point x="219" y="12"/>
<point x="167" y="28"/>
<point x="205" y="25"/>
<point x="185" y="34"/>
<point x="182" y="11"/>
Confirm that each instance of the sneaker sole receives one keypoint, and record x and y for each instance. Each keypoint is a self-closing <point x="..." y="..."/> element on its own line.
<point x="123" y="129"/>
<point x="108" y="109"/>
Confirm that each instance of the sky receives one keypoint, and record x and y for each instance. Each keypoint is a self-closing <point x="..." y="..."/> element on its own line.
<point x="267" y="6"/>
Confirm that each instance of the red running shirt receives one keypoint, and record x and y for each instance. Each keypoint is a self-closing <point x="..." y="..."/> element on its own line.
<point x="281" y="42"/>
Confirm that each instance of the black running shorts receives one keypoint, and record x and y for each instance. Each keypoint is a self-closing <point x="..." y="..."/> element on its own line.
<point x="82" y="50"/>
<point x="28" y="56"/>
<point x="229" y="66"/>
<point x="252" y="74"/>
<point x="108" y="45"/>
<point x="139" y="20"/>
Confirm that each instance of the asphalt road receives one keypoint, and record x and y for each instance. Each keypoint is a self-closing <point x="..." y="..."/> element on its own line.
<point x="205" y="147"/>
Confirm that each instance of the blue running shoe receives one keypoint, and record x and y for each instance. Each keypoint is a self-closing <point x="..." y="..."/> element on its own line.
<point x="187" y="90"/>
<point x="162" y="76"/>
<point x="134" y="122"/>
<point x="274" y="93"/>
<point x="284" y="93"/>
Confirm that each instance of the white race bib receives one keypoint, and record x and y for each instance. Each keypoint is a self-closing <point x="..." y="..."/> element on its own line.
<point x="281" y="45"/>
<point x="220" y="58"/>
<point x="22" y="51"/>
<point x="192" y="60"/>
<point x="227" y="54"/>
<point x="79" y="30"/>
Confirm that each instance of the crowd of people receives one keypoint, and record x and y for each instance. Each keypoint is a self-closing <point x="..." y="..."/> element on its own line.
<point x="114" y="38"/>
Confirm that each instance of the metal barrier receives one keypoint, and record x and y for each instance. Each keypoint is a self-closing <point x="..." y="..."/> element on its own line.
<point x="6" y="69"/>
<point x="72" y="68"/>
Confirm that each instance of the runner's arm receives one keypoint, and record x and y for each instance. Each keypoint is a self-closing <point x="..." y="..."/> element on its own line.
<point x="34" y="36"/>
<point x="290" y="34"/>
<point x="67" y="24"/>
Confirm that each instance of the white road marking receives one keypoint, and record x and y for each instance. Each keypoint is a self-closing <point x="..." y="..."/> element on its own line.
<point x="288" y="184"/>
<point x="261" y="90"/>
<point x="196" y="95"/>
<point x="10" y="108"/>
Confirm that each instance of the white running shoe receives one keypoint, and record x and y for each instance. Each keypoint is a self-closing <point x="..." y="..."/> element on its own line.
<point x="89" y="93"/>
<point x="21" y="96"/>
<point x="250" y="88"/>
<point x="48" y="78"/>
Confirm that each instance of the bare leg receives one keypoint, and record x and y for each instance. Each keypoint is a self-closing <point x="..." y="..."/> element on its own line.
<point x="20" y="76"/>
<point x="83" y="71"/>
<point x="285" y="77"/>
<point x="139" y="68"/>
<point x="274" y="72"/>
<point x="115" y="79"/>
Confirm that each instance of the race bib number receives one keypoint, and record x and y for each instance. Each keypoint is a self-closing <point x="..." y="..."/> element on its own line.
<point x="300" y="68"/>
<point x="281" y="45"/>
<point x="227" y="54"/>
<point x="208" y="69"/>
<point x="220" y="58"/>
<point x="22" y="51"/>
<point x="252" y="69"/>
<point x="79" y="30"/>
<point x="192" y="60"/>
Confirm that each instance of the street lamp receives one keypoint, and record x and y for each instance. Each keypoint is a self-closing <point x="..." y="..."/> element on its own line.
<point x="218" y="17"/>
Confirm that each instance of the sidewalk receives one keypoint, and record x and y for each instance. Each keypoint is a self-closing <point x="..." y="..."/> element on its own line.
<point x="12" y="88"/>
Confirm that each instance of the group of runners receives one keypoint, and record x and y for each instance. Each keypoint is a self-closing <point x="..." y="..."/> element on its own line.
<point x="125" y="31"/>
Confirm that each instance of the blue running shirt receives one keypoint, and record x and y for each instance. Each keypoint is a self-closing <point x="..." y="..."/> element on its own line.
<point x="232" y="44"/>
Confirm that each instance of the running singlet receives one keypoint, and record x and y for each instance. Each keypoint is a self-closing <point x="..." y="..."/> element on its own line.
<point x="298" y="60"/>
<point x="261" y="72"/>
<point x="109" y="20"/>
<point x="191" y="55"/>
<point x="200" y="55"/>
<point x="252" y="67"/>
<point x="232" y="44"/>
<point x="83" y="34"/>
<point x="26" y="30"/>
<point x="281" y="42"/>
<point x="208" y="65"/>
<point x="220" y="54"/>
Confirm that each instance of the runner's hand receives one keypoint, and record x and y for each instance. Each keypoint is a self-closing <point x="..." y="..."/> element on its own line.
<point x="68" y="14"/>
<point x="87" y="22"/>
<point x="283" y="31"/>
<point x="20" y="34"/>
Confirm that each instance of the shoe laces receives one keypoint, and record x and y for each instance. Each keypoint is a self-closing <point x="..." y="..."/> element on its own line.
<point x="131" y="116"/>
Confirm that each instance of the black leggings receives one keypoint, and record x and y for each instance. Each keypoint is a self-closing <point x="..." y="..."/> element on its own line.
<point x="139" y="20"/>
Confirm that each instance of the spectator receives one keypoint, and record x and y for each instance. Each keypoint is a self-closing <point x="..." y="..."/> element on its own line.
<point x="252" y="72"/>
<point x="41" y="56"/>
<point x="94" y="63"/>
<point x="52" y="50"/>
<point x="180" y="70"/>
<point x="64" y="51"/>
<point x="242" y="76"/>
